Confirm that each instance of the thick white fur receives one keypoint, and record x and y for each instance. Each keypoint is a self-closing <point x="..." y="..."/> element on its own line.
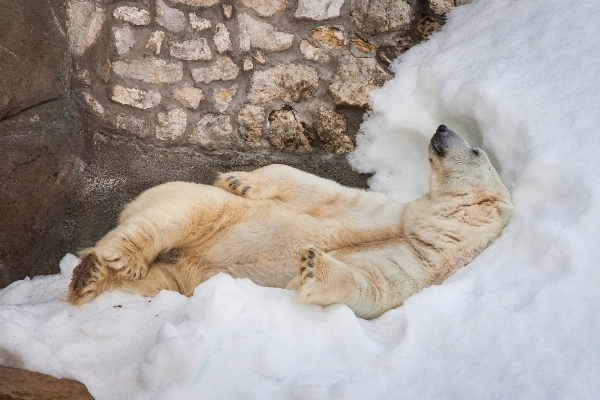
<point x="282" y="227"/>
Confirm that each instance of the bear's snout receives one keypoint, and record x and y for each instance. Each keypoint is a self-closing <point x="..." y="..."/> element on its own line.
<point x="441" y="128"/>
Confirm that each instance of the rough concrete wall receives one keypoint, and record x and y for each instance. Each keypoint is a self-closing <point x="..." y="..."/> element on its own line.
<point x="36" y="167"/>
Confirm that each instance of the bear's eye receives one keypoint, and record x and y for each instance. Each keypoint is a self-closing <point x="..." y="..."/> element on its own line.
<point x="430" y="159"/>
<point x="475" y="151"/>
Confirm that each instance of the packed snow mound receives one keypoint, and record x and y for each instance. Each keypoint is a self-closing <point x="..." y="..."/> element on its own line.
<point x="517" y="78"/>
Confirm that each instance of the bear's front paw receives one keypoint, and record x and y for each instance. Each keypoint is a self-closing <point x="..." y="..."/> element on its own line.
<point x="87" y="280"/>
<point x="126" y="264"/>
<point x="237" y="183"/>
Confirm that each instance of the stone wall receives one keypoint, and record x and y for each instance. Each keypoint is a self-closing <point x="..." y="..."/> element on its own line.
<point x="245" y="75"/>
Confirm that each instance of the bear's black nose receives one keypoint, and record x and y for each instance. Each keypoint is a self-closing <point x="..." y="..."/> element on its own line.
<point x="441" y="128"/>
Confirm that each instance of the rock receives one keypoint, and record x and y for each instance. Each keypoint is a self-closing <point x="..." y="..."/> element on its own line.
<point x="287" y="82"/>
<point x="198" y="23"/>
<point x="171" y="125"/>
<point x="253" y="33"/>
<point x="227" y="10"/>
<point x="197" y="3"/>
<point x="329" y="36"/>
<point x="155" y="42"/>
<point x="441" y="7"/>
<point x="318" y="9"/>
<point x="222" y="97"/>
<point x="85" y="20"/>
<point x="93" y="104"/>
<point x="213" y="132"/>
<point x="377" y="16"/>
<point x="389" y="52"/>
<point x="285" y="131"/>
<point x="247" y="64"/>
<point x="331" y="128"/>
<point x="250" y="120"/>
<point x="265" y="8"/>
<point x="427" y="25"/>
<point x="133" y="15"/>
<point x="312" y="52"/>
<point x="124" y="39"/>
<point x="223" y="69"/>
<point x="189" y="96"/>
<point x="354" y="80"/>
<point x="171" y="19"/>
<point x="193" y="49"/>
<point x="360" y="47"/>
<point x="150" y="70"/>
<point x="259" y="57"/>
<point x="221" y="38"/>
<point x="17" y="384"/>
<point x="142" y="99"/>
<point x="131" y="124"/>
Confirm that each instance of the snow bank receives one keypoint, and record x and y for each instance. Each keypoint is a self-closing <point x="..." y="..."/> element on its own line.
<point x="517" y="78"/>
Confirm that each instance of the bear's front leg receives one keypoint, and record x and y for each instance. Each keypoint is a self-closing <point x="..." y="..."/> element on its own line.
<point x="323" y="280"/>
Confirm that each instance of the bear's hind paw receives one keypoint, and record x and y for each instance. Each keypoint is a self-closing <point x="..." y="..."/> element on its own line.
<point x="87" y="280"/>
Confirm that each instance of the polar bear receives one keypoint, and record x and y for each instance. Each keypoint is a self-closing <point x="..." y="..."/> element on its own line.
<point x="285" y="228"/>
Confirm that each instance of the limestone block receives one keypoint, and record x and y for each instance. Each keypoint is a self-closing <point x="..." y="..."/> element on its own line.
<point x="265" y="8"/>
<point x="259" y="57"/>
<point x="131" y="124"/>
<point x="192" y="49"/>
<point x="312" y="52"/>
<point x="250" y="120"/>
<point x="221" y="38"/>
<point x="133" y="15"/>
<point x="354" y="80"/>
<point x="151" y="70"/>
<point x="253" y="33"/>
<point x="331" y="128"/>
<point x="197" y="3"/>
<point x="329" y="36"/>
<point x="247" y="64"/>
<point x="189" y="96"/>
<point x="285" y="131"/>
<point x="288" y="82"/>
<point x="124" y="38"/>
<point x="213" y="131"/>
<point x="142" y="99"/>
<point x="171" y="19"/>
<point x="441" y="7"/>
<point x="93" y="104"/>
<point x="222" y="97"/>
<point x="198" y="23"/>
<point x="360" y="47"/>
<point x="84" y="22"/>
<point x="427" y="25"/>
<point x="171" y="125"/>
<point x="318" y="9"/>
<point x="227" y="10"/>
<point x="155" y="42"/>
<point x="377" y="16"/>
<point x="223" y="69"/>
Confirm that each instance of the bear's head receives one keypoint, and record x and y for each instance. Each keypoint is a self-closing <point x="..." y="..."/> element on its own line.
<point x="460" y="171"/>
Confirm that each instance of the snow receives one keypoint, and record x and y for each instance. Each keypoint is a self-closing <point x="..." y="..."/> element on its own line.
<point x="517" y="78"/>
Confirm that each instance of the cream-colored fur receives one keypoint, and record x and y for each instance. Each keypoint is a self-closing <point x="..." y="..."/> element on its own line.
<point x="282" y="227"/>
